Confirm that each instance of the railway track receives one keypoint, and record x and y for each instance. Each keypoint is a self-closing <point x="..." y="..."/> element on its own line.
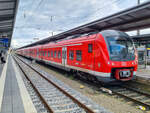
<point x="135" y="95"/>
<point x="126" y="91"/>
<point x="56" y="99"/>
<point x="132" y="94"/>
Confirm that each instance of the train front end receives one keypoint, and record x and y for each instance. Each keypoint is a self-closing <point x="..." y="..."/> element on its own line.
<point x="122" y="57"/>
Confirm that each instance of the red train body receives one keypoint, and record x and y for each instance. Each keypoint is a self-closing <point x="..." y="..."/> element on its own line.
<point x="110" y="55"/>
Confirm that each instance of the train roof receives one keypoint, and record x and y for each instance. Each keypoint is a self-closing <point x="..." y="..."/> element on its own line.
<point x="81" y="38"/>
<point x="113" y="33"/>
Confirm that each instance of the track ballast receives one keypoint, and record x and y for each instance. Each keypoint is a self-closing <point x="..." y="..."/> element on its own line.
<point x="57" y="98"/>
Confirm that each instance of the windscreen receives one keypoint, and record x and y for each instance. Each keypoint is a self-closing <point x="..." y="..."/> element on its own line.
<point x="120" y="48"/>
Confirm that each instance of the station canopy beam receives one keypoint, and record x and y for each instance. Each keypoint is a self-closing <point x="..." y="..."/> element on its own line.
<point x="143" y="37"/>
<point x="8" y="10"/>
<point x="134" y="18"/>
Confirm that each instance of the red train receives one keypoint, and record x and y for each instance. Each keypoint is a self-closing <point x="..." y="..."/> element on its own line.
<point x="108" y="56"/>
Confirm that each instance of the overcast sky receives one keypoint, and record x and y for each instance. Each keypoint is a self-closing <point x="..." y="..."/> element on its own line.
<point x="39" y="18"/>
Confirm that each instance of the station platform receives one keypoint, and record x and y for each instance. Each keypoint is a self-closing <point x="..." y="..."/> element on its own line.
<point x="1" y="68"/>
<point x="14" y="97"/>
<point x="143" y="74"/>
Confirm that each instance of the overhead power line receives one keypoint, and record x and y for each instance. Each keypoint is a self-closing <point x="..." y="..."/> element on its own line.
<point x="31" y="16"/>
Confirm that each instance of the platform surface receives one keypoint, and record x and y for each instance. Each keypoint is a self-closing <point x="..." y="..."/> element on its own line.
<point x="13" y="97"/>
<point x="144" y="73"/>
<point x="12" y="102"/>
<point x="1" y="68"/>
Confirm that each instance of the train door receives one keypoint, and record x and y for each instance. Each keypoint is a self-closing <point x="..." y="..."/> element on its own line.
<point x="89" y="61"/>
<point x="64" y="56"/>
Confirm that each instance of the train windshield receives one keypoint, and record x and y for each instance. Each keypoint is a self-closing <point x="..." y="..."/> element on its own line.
<point x="120" y="48"/>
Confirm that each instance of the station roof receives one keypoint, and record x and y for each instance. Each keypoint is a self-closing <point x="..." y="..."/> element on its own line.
<point x="143" y="37"/>
<point x="137" y="17"/>
<point x="8" y="9"/>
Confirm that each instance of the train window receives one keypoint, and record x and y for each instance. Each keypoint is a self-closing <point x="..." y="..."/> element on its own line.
<point x="51" y="53"/>
<point x="48" y="53"/>
<point x="71" y="54"/>
<point x="90" y="48"/>
<point x="45" y="53"/>
<point x="37" y="52"/>
<point x="59" y="54"/>
<point x="55" y="52"/>
<point x="78" y="55"/>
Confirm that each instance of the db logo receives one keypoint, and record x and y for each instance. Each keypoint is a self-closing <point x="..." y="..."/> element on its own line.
<point x="123" y="64"/>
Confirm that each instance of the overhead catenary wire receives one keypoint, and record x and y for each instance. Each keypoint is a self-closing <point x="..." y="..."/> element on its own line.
<point x="65" y="26"/>
<point x="96" y="11"/>
<point x="31" y="16"/>
<point x="104" y="6"/>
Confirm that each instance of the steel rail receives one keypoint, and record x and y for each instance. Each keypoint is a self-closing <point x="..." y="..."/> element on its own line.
<point x="63" y="91"/>
<point x="39" y="94"/>
<point x="122" y="95"/>
<point x="130" y="98"/>
<point x="135" y="90"/>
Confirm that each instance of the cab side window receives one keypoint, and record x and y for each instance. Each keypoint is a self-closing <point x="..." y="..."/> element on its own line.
<point x="90" y="48"/>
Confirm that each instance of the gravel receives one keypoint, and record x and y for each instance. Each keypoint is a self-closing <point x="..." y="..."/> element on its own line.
<point x="113" y="103"/>
<point x="35" y="98"/>
<point x="47" y="94"/>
